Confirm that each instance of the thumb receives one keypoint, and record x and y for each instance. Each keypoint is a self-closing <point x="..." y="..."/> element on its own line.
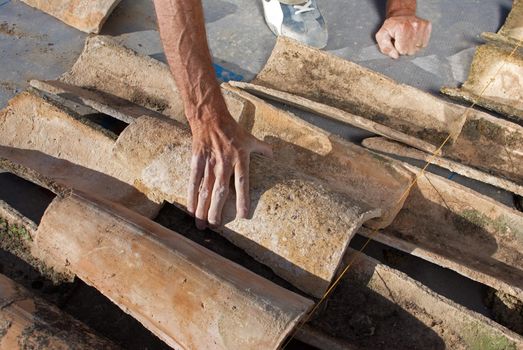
<point x="384" y="40"/>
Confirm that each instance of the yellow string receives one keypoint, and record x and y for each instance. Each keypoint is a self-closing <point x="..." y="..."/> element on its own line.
<point x="405" y="193"/>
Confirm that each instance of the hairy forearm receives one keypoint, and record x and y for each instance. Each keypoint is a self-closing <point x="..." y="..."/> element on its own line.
<point x="182" y="29"/>
<point x="221" y="148"/>
<point x="401" y="8"/>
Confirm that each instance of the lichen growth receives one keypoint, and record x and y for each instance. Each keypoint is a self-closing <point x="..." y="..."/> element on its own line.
<point x="17" y="240"/>
<point x="475" y="129"/>
<point x="501" y="225"/>
<point x="475" y="217"/>
<point x="13" y="232"/>
<point x="478" y="337"/>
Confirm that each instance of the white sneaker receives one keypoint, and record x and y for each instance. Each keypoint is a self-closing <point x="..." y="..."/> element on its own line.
<point x="303" y="22"/>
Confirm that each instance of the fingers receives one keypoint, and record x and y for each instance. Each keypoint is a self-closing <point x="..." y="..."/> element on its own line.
<point x="241" y="178"/>
<point x="402" y="42"/>
<point x="204" y="195"/>
<point x="241" y="185"/>
<point x="195" y="179"/>
<point x="211" y="174"/>
<point x="385" y="45"/>
<point x="406" y="35"/>
<point x="422" y="35"/>
<point x="220" y="193"/>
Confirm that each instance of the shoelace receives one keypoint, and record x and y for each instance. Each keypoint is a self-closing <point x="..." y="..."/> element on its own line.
<point x="304" y="8"/>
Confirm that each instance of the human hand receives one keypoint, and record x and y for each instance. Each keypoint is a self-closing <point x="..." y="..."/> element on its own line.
<point x="403" y="35"/>
<point x="221" y="148"/>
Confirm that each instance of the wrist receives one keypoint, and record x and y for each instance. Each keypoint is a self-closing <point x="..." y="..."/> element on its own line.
<point x="209" y="116"/>
<point x="207" y="108"/>
<point x="396" y="8"/>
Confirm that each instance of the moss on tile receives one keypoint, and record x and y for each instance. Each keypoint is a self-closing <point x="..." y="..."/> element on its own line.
<point x="478" y="337"/>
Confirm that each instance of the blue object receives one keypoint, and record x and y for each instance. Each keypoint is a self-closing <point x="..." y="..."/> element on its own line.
<point x="225" y="74"/>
